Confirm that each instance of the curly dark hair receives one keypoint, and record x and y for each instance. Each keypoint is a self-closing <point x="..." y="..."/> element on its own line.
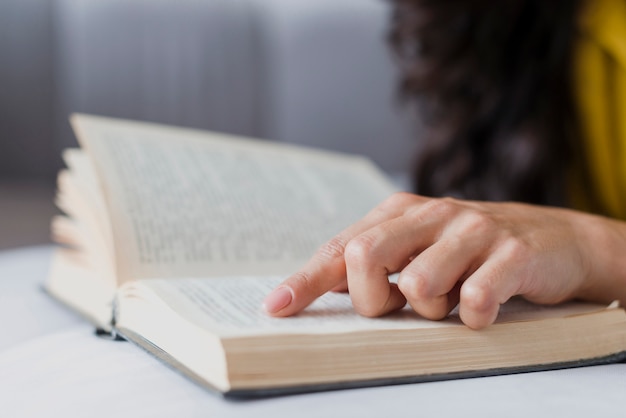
<point x="493" y="81"/>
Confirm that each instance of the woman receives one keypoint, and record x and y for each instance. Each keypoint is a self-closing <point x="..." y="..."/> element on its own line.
<point x="527" y="103"/>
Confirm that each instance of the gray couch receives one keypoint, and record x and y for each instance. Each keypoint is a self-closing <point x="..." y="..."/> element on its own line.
<point x="315" y="72"/>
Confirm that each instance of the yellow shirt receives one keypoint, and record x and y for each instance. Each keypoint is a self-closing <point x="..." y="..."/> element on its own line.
<point x="600" y="92"/>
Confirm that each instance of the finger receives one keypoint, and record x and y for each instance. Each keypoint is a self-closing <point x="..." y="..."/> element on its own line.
<point x="431" y="282"/>
<point x="341" y="288"/>
<point x="492" y="284"/>
<point x="380" y="251"/>
<point x="326" y="269"/>
<point x="368" y="272"/>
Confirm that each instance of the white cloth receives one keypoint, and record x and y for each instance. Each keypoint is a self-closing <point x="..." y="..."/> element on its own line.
<point x="51" y="364"/>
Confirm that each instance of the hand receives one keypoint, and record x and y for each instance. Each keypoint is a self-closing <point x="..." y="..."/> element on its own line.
<point x="474" y="254"/>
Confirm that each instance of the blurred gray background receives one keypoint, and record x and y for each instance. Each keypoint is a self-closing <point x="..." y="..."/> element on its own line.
<point x="315" y="72"/>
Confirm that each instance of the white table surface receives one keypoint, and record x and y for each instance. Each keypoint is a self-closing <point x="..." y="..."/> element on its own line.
<point x="51" y="364"/>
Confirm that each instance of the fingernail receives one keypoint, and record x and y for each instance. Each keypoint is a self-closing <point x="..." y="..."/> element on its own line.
<point x="279" y="299"/>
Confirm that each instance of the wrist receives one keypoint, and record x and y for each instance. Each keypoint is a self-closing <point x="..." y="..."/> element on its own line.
<point x="602" y="251"/>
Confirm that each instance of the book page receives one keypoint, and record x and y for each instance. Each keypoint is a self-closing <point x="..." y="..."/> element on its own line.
<point x="232" y="307"/>
<point x="74" y="282"/>
<point x="87" y="225"/>
<point x="191" y="203"/>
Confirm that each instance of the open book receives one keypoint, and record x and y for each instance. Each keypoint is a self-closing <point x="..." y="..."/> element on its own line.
<point x="172" y="237"/>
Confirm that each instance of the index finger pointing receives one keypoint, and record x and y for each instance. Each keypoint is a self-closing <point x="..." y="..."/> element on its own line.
<point x="323" y="272"/>
<point x="327" y="268"/>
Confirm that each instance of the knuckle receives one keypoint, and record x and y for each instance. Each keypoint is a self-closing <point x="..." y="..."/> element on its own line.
<point x="415" y="286"/>
<point x="440" y="208"/>
<point x="359" y="250"/>
<point x="301" y="280"/>
<point x="304" y="283"/>
<point x="516" y="250"/>
<point x="476" y="297"/>
<point x="478" y="222"/>
<point x="334" y="248"/>
<point x="478" y="308"/>
<point x="395" y="201"/>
